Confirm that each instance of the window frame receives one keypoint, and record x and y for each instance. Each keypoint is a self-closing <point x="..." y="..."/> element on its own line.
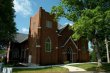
<point x="48" y="45"/>
<point x="49" y="24"/>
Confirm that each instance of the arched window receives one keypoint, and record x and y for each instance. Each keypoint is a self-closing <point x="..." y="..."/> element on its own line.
<point x="48" y="45"/>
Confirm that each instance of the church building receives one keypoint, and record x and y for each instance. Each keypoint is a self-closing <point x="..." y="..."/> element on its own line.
<point x="50" y="45"/>
<point x="47" y="44"/>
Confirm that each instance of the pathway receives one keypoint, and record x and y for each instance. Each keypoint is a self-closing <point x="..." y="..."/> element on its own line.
<point x="72" y="68"/>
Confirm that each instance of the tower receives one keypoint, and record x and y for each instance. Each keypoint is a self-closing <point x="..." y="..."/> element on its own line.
<point x="43" y="40"/>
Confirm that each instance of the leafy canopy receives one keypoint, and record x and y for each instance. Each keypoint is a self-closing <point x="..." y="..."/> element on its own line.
<point x="91" y="17"/>
<point x="7" y="24"/>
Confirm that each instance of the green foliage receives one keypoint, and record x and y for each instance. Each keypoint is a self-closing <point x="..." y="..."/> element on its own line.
<point x="91" y="17"/>
<point x="93" y="56"/>
<point x="7" y="24"/>
<point x="4" y="60"/>
<point x="102" y="53"/>
<point x="58" y="11"/>
<point x="92" y="24"/>
<point x="2" y="51"/>
<point x="66" y="62"/>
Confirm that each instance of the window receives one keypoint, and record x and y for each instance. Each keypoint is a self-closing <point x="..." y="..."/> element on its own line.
<point x="49" y="24"/>
<point x="48" y="45"/>
<point x="37" y="45"/>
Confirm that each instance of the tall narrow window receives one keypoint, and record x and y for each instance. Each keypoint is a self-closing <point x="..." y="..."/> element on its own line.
<point x="37" y="45"/>
<point x="48" y="45"/>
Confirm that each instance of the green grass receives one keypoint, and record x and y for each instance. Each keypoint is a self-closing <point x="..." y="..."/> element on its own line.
<point x="2" y="51"/>
<point x="93" y="67"/>
<point x="42" y="70"/>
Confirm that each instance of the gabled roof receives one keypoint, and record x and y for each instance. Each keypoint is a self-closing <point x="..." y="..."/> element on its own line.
<point x="20" y="37"/>
<point x="61" y="28"/>
<point x="72" y="42"/>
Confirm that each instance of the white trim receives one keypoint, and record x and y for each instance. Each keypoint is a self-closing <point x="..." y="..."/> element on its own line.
<point x="59" y="34"/>
<point x="39" y="27"/>
<point x="29" y="59"/>
<point x="72" y="42"/>
<point x="66" y="42"/>
<point x="37" y="45"/>
<point x="56" y="47"/>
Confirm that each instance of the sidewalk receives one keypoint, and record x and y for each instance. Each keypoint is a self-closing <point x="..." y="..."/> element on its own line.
<point x="73" y="69"/>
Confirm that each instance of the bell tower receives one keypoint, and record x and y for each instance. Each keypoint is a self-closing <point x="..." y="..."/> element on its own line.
<point x="43" y="38"/>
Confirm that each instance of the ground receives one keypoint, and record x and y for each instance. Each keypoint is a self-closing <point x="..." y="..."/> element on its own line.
<point x="55" y="69"/>
<point x="66" y="68"/>
<point x="2" y="51"/>
<point x="93" y="66"/>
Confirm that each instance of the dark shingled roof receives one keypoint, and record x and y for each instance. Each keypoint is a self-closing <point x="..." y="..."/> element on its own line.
<point x="20" y="37"/>
<point x="61" y="28"/>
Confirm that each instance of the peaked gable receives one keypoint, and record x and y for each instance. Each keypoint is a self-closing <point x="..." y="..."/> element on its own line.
<point x="70" y="39"/>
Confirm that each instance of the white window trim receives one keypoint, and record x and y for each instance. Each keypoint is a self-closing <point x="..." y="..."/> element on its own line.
<point x="37" y="45"/>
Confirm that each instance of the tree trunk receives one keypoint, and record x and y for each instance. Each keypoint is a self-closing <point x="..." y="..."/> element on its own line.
<point x="8" y="51"/>
<point x="106" y="43"/>
<point x="96" y="48"/>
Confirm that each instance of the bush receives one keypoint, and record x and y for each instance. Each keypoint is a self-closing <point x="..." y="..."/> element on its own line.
<point x="66" y="62"/>
<point x="93" y="57"/>
<point x="4" y="60"/>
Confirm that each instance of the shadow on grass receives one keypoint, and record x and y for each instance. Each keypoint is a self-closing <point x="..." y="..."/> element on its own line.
<point x="42" y="70"/>
<point x="105" y="67"/>
<point x="30" y="69"/>
<point x="93" y="67"/>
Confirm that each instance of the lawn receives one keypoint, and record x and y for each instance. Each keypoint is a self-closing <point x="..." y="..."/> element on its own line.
<point x="42" y="70"/>
<point x="93" y="67"/>
<point x="2" y="51"/>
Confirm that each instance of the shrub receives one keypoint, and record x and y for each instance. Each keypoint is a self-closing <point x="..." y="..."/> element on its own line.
<point x="66" y="62"/>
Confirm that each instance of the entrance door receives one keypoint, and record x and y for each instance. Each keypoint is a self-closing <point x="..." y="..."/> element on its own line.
<point x="69" y="54"/>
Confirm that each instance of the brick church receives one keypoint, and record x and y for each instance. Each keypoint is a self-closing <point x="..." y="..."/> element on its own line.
<point x="48" y="44"/>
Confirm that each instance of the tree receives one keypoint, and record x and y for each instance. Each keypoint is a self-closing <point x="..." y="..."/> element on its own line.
<point x="103" y="52"/>
<point x="106" y="43"/>
<point x="7" y="24"/>
<point x="93" y="56"/>
<point x="91" y="20"/>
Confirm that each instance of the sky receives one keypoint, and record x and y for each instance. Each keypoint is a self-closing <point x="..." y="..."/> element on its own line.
<point x="24" y="9"/>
